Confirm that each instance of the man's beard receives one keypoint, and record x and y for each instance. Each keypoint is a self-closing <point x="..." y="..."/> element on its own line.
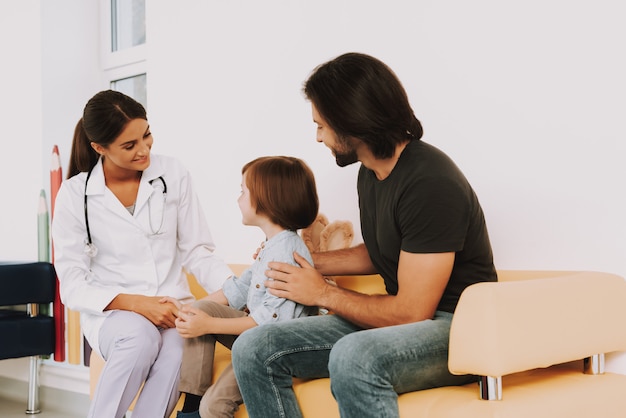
<point x="346" y="158"/>
<point x="346" y="154"/>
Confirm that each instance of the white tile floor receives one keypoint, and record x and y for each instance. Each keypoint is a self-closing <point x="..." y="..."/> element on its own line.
<point x="53" y="403"/>
<point x="11" y="408"/>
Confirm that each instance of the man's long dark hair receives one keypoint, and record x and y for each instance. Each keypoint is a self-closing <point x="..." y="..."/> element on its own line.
<point x="359" y="96"/>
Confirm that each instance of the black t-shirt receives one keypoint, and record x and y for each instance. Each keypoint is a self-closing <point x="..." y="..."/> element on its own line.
<point x="425" y="205"/>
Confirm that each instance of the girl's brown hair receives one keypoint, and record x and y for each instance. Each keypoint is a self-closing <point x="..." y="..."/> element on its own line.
<point x="283" y="189"/>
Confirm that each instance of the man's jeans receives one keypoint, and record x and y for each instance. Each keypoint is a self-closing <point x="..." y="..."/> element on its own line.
<point x="368" y="368"/>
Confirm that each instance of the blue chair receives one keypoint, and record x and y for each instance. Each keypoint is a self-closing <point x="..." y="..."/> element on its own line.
<point x="26" y="333"/>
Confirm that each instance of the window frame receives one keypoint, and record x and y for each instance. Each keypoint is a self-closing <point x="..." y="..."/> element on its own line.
<point x="120" y="64"/>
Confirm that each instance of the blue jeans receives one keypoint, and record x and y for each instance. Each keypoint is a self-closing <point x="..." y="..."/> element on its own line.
<point x="368" y="368"/>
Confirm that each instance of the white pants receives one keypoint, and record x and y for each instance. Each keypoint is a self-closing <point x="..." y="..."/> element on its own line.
<point x="136" y="353"/>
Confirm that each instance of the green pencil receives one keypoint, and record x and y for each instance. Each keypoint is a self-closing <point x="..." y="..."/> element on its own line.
<point x="43" y="239"/>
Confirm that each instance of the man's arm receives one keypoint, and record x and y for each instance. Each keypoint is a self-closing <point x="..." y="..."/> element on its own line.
<point x="422" y="278"/>
<point x="347" y="261"/>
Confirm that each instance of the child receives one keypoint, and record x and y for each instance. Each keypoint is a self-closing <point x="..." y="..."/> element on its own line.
<point x="278" y="195"/>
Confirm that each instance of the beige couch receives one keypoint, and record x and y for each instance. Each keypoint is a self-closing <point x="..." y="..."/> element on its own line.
<point x="536" y="339"/>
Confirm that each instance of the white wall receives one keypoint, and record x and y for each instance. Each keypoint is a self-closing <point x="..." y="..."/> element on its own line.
<point x="20" y="128"/>
<point x="49" y="69"/>
<point x="527" y="97"/>
<point x="70" y="70"/>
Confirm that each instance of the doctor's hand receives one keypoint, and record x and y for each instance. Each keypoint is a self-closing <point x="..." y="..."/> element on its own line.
<point x="192" y="322"/>
<point x="303" y="284"/>
<point x="169" y="299"/>
<point x="160" y="314"/>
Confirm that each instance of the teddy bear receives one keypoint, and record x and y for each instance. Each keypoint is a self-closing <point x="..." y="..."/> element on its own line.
<point x="322" y="235"/>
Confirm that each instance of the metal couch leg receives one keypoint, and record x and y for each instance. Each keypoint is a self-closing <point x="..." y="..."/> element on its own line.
<point x="33" y="377"/>
<point x="33" y="387"/>
<point x="490" y="388"/>
<point x="594" y="364"/>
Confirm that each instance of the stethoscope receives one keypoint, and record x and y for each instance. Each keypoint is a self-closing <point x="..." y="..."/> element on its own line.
<point x="90" y="249"/>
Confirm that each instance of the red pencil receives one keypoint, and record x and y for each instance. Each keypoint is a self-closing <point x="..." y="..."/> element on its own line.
<point x="56" y="178"/>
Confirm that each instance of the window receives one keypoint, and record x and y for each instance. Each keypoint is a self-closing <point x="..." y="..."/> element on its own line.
<point x="123" y="49"/>
<point x="133" y="86"/>
<point x="128" y="24"/>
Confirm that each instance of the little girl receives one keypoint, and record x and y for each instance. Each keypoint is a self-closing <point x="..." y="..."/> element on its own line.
<point x="278" y="195"/>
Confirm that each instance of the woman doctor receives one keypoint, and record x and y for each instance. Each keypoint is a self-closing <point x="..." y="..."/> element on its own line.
<point x="126" y="223"/>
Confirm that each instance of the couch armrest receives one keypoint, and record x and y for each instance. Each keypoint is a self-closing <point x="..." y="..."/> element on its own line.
<point x="507" y="327"/>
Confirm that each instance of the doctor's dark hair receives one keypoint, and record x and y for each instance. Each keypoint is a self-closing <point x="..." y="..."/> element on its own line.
<point x="283" y="189"/>
<point x="359" y="96"/>
<point x="104" y="118"/>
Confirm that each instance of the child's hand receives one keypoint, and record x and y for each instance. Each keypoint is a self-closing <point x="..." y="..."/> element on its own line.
<point x="192" y="322"/>
<point x="174" y="301"/>
<point x="258" y="250"/>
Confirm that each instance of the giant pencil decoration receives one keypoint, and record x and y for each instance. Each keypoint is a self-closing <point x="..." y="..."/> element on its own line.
<point x="74" y="337"/>
<point x="74" y="346"/>
<point x="56" y="177"/>
<point x="43" y="239"/>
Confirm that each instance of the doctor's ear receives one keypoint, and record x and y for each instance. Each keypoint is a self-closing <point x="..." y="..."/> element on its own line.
<point x="97" y="147"/>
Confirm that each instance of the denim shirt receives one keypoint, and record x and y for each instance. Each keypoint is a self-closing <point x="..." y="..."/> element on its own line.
<point x="249" y="291"/>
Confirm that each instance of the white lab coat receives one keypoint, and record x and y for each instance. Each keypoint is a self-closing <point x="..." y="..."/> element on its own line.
<point x="131" y="258"/>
